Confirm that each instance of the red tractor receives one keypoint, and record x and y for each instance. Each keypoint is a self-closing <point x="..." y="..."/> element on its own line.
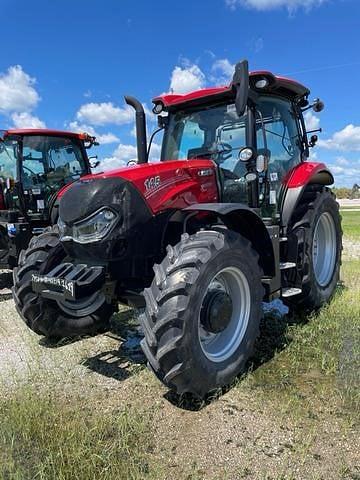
<point x="34" y="166"/>
<point x="233" y="214"/>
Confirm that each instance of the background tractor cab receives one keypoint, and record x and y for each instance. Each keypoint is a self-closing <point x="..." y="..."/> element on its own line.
<point x="34" y="166"/>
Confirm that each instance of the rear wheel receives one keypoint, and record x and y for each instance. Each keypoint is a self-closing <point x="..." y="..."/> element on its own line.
<point x="44" y="316"/>
<point x="318" y="227"/>
<point x="203" y="311"/>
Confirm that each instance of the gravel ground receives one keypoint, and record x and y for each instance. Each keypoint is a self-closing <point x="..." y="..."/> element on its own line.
<point x="234" y="437"/>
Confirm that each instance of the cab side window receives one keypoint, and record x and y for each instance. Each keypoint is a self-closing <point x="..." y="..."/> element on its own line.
<point x="192" y="139"/>
<point x="8" y="160"/>
<point x="282" y="136"/>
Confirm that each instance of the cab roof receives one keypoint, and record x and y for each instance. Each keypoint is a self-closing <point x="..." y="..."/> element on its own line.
<point x="283" y="86"/>
<point x="45" y="132"/>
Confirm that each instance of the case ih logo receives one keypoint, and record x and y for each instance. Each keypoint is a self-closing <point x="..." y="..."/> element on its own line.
<point x="152" y="183"/>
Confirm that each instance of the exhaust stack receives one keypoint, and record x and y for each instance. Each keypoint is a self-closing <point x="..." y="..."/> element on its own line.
<point x="140" y="128"/>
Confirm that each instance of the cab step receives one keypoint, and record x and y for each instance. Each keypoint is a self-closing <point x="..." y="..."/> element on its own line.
<point x="290" y="292"/>
<point x="286" y="265"/>
<point x="283" y="239"/>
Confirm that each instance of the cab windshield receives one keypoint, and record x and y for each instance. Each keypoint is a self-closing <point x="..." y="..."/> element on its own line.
<point x="216" y="133"/>
<point x="54" y="161"/>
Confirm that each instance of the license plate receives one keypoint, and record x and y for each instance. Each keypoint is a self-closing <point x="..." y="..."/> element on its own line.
<point x="41" y="283"/>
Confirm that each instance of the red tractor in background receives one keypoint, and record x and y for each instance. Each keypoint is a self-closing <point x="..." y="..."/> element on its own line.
<point x="34" y="166"/>
<point x="232" y="215"/>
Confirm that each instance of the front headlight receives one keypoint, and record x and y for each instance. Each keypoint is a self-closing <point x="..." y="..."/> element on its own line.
<point x="92" y="229"/>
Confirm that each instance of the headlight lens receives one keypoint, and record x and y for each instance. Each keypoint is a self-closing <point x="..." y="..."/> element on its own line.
<point x="92" y="229"/>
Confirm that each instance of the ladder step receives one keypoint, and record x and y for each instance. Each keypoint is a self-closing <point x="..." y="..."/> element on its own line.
<point x="286" y="265"/>
<point x="290" y="292"/>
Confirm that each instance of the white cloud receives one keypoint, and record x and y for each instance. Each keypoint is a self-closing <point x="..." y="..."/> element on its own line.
<point x="102" y="138"/>
<point x="155" y="152"/>
<point x="342" y="161"/>
<point x="347" y="139"/>
<point x="187" y="78"/>
<point x="223" y="70"/>
<point x="312" y="122"/>
<point x="123" y="153"/>
<point x="345" y="176"/>
<point x="26" y="120"/>
<point x="105" y="113"/>
<point x="17" y="92"/>
<point x="290" y="5"/>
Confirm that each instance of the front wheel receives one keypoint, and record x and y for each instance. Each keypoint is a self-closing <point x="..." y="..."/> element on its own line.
<point x="203" y="311"/>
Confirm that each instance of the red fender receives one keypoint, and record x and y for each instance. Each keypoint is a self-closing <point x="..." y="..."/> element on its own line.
<point x="303" y="174"/>
<point x="308" y="172"/>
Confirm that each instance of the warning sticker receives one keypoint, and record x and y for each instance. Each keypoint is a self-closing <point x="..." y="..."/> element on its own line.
<point x="40" y="204"/>
<point x="272" y="198"/>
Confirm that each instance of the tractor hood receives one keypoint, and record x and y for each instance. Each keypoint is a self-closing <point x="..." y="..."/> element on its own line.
<point x="157" y="186"/>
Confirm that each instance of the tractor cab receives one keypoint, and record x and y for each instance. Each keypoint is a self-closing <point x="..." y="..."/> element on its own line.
<point x="34" y="166"/>
<point x="254" y="145"/>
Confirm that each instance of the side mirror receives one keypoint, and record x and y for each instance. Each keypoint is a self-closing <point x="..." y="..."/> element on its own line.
<point x="162" y="121"/>
<point x="240" y="83"/>
<point x="318" y="105"/>
<point x="313" y="140"/>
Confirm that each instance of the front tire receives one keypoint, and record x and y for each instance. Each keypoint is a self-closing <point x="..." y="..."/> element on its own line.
<point x="203" y="311"/>
<point x="41" y="315"/>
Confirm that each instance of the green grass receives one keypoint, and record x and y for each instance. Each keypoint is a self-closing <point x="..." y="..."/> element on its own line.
<point x="351" y="224"/>
<point x="45" y="437"/>
<point x="320" y="367"/>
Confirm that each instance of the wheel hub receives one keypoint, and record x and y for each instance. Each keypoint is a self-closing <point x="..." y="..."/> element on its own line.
<point x="216" y="311"/>
<point x="224" y="314"/>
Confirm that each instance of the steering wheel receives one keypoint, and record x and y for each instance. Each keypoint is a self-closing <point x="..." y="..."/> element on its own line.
<point x="224" y="151"/>
<point x="29" y="169"/>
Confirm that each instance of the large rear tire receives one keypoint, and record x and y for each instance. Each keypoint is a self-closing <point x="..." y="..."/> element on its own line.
<point x="317" y="223"/>
<point x="203" y="311"/>
<point x="41" y="315"/>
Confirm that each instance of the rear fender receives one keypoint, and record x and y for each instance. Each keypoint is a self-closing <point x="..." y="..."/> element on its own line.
<point x="242" y="219"/>
<point x="304" y="174"/>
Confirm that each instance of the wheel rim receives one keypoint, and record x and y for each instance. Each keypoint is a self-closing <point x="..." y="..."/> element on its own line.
<point x="324" y="249"/>
<point x="218" y="347"/>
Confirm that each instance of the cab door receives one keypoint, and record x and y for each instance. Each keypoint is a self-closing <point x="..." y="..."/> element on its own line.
<point x="283" y="142"/>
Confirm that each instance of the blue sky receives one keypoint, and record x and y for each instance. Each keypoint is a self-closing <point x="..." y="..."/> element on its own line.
<point x="67" y="64"/>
